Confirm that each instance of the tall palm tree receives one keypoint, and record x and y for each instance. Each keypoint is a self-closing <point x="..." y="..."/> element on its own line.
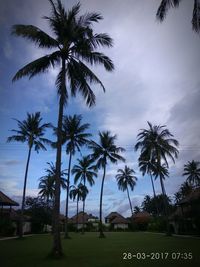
<point x="165" y="5"/>
<point x="47" y="182"/>
<point x="192" y="171"/>
<point x="84" y="172"/>
<point x="31" y="131"/>
<point x="161" y="171"/>
<point x="75" y="136"/>
<point x="103" y="152"/>
<point x="157" y="145"/>
<point x="74" y="43"/>
<point x="126" y="179"/>
<point x="79" y="193"/>
<point x="146" y="166"/>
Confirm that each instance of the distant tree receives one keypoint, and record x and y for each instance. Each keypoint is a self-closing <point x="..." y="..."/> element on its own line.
<point x="103" y="152"/>
<point x="84" y="173"/>
<point x="157" y="145"/>
<point x="125" y="180"/>
<point x="40" y="213"/>
<point x="136" y="209"/>
<point x="156" y="205"/>
<point x="79" y="193"/>
<point x="47" y="182"/>
<point x="72" y="44"/>
<point x="192" y="171"/>
<point x="31" y="131"/>
<point x="184" y="190"/>
<point x="165" y="5"/>
<point x="75" y="136"/>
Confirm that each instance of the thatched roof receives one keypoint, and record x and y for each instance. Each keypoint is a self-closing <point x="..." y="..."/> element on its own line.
<point x="81" y="218"/>
<point x="112" y="215"/>
<point x="6" y="201"/>
<point x="119" y="220"/>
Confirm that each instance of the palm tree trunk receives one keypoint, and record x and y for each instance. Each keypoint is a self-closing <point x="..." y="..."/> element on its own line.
<point x="166" y="210"/>
<point x="67" y="198"/>
<point x="83" y="211"/>
<point x="129" y="201"/>
<point x="24" y="195"/>
<point x="77" y="215"/>
<point x="57" y="246"/>
<point x="101" y="234"/>
<point x="154" y="193"/>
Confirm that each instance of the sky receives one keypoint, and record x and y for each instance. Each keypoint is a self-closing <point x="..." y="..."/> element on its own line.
<point x="156" y="79"/>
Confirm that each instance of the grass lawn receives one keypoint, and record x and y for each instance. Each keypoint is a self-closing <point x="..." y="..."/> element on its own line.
<point x="90" y="251"/>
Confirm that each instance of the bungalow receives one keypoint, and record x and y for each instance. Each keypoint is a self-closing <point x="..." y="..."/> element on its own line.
<point x="85" y="219"/>
<point x="116" y="221"/>
<point x="12" y="216"/>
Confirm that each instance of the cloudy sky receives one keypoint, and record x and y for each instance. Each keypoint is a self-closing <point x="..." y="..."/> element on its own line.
<point x="156" y="79"/>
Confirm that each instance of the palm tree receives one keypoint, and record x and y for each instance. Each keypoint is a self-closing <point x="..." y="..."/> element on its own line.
<point x="103" y="152"/>
<point x="185" y="189"/>
<point x="84" y="172"/>
<point x="74" y="44"/>
<point x="192" y="171"/>
<point x="79" y="193"/>
<point x="31" y="131"/>
<point x="47" y="182"/>
<point x="156" y="145"/>
<point x="165" y="5"/>
<point x="146" y="166"/>
<point x="126" y="179"/>
<point x="161" y="171"/>
<point x="75" y="136"/>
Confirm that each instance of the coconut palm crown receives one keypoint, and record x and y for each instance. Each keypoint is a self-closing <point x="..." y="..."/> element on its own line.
<point x="156" y="144"/>
<point x="192" y="171"/>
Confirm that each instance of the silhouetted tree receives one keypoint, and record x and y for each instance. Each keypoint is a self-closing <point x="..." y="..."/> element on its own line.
<point x="126" y="179"/>
<point x="31" y="131"/>
<point x="104" y="151"/>
<point x="74" y="43"/>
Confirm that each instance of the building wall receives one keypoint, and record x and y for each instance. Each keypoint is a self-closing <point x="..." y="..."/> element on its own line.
<point x="121" y="226"/>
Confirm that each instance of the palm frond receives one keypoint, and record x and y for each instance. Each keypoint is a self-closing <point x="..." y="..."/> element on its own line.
<point x="37" y="66"/>
<point x="165" y="5"/>
<point x="196" y="17"/>
<point x="35" y="35"/>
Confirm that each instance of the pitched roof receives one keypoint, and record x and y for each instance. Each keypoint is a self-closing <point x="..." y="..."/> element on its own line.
<point x="112" y="214"/>
<point x="6" y="201"/>
<point x="119" y="220"/>
<point x="81" y="218"/>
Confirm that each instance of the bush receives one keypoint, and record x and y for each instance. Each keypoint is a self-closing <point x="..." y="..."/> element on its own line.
<point x="157" y="225"/>
<point x="6" y="227"/>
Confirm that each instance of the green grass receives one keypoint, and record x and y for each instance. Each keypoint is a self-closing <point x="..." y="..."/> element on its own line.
<point x="90" y="251"/>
